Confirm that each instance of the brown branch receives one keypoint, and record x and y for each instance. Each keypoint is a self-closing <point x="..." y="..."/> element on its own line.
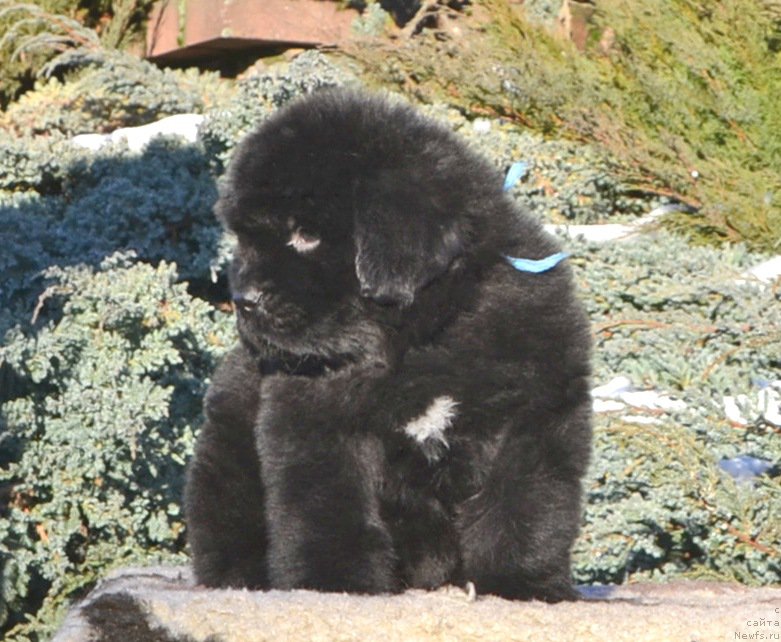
<point x="753" y="342"/>
<point x="751" y="542"/>
<point x="416" y="23"/>
<point x="651" y="325"/>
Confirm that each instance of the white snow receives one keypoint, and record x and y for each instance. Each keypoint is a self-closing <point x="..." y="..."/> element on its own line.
<point x="605" y="232"/>
<point x="620" y="395"/>
<point x="136" y="138"/>
<point x="765" y="404"/>
<point x="765" y="273"/>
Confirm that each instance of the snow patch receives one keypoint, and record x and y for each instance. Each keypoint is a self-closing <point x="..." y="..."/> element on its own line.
<point x="619" y="394"/>
<point x="136" y="138"/>
<point x="743" y="410"/>
<point x="765" y="273"/>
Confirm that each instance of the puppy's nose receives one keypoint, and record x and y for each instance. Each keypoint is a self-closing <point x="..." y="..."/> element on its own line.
<point x="247" y="300"/>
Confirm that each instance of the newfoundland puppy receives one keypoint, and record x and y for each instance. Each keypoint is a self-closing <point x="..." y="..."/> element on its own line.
<point x="409" y="404"/>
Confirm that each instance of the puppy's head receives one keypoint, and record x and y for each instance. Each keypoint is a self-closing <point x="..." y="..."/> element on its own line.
<point x="346" y="207"/>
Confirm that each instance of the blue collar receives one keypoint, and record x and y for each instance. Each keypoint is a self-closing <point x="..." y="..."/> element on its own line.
<point x="516" y="172"/>
<point x="535" y="267"/>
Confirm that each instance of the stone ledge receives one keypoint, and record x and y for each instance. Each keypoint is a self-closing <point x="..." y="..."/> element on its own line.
<point x="162" y="604"/>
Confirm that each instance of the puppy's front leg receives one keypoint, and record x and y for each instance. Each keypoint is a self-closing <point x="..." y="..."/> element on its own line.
<point x="321" y="479"/>
<point x="224" y="493"/>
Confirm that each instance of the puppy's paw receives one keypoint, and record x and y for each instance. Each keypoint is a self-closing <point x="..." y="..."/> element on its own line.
<point x="428" y="429"/>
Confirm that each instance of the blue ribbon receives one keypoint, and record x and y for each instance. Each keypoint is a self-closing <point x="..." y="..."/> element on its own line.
<point x="516" y="172"/>
<point x="537" y="266"/>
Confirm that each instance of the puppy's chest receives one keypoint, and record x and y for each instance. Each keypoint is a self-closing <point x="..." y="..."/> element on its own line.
<point x="428" y="429"/>
<point x="294" y="403"/>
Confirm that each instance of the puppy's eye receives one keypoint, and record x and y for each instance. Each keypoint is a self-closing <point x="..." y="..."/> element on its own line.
<point x="303" y="242"/>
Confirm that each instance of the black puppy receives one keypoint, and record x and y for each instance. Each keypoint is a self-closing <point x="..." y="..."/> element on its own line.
<point x="406" y="408"/>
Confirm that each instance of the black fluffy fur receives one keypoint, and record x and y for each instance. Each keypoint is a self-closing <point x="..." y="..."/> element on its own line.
<point x="304" y="475"/>
<point x="119" y="617"/>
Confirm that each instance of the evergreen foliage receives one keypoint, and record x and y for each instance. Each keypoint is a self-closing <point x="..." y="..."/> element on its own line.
<point x="33" y="33"/>
<point x="684" y="321"/>
<point x="83" y="207"/>
<point x="100" y="419"/>
<point x="373" y="21"/>
<point x="104" y="90"/>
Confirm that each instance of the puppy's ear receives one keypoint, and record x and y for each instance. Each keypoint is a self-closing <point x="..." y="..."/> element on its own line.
<point x="405" y="236"/>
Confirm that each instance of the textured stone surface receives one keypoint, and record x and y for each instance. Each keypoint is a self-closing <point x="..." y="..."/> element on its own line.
<point x="204" y="26"/>
<point x="169" y="607"/>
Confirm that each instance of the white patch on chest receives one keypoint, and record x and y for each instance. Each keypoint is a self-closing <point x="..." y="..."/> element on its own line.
<point x="429" y="428"/>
